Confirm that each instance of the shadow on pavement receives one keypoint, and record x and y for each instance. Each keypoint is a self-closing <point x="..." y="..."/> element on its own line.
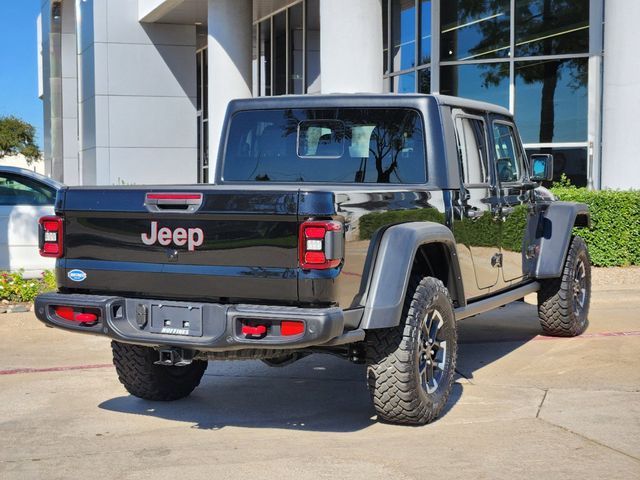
<point x="321" y="392"/>
<point x="486" y="338"/>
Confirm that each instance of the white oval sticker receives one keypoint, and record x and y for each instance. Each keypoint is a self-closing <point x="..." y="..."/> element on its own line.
<point x="76" y="275"/>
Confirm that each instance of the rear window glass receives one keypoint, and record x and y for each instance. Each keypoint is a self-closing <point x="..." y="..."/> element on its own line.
<point x="350" y="145"/>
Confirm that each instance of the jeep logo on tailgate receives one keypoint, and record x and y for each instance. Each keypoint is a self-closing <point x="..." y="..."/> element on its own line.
<point x="192" y="237"/>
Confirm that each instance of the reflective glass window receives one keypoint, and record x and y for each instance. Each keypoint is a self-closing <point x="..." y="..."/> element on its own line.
<point x="280" y="53"/>
<point x="551" y="100"/>
<point x="385" y="36"/>
<point x="488" y="82"/>
<point x="264" y="63"/>
<point x="551" y="27"/>
<point x="296" y="52"/>
<point x="509" y="161"/>
<point x="199" y="80"/>
<point x="476" y="29"/>
<point x="205" y="84"/>
<point x="572" y="162"/>
<point x="321" y="138"/>
<point x="18" y="190"/>
<point x="350" y="145"/>
<point x="424" y="80"/>
<point x="403" y="34"/>
<point x="425" y="32"/>
<point x="313" y="46"/>
<point x="472" y="150"/>
<point x="405" y="83"/>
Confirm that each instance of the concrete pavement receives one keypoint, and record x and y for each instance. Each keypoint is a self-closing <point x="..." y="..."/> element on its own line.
<point x="523" y="406"/>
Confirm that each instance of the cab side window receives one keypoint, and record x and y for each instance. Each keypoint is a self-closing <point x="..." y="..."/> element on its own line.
<point x="509" y="161"/>
<point x="18" y="190"/>
<point x="472" y="151"/>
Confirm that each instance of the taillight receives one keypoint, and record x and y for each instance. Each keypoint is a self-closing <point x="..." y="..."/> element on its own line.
<point x="321" y="244"/>
<point x="85" y="316"/>
<point x="51" y="236"/>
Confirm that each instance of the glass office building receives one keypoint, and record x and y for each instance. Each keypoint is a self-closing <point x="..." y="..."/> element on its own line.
<point x="151" y="79"/>
<point x="530" y="56"/>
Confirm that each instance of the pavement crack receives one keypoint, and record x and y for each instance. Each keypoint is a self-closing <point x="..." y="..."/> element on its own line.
<point x="590" y="440"/>
<point x="544" y="397"/>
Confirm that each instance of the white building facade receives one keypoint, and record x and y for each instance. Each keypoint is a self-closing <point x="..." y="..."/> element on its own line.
<point x="135" y="91"/>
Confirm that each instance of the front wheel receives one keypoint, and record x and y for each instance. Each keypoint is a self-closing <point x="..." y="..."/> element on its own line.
<point x="411" y="367"/>
<point x="563" y="303"/>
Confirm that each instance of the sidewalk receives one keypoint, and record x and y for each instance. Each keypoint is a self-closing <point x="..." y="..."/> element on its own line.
<point x="524" y="406"/>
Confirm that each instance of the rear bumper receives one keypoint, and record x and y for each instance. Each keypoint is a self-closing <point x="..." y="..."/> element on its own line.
<point x="211" y="327"/>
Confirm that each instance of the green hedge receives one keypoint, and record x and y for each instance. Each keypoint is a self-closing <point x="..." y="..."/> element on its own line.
<point x="614" y="239"/>
<point x="15" y="288"/>
<point x="371" y="222"/>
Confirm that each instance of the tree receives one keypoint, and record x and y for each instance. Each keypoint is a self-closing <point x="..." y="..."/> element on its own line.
<point x="17" y="137"/>
<point x="543" y="27"/>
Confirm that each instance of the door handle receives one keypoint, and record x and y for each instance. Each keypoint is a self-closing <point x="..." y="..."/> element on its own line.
<point x="507" y="210"/>
<point x="473" y="213"/>
<point x="501" y="212"/>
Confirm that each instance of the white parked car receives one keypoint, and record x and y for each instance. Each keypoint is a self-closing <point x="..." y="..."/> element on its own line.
<point x="25" y="196"/>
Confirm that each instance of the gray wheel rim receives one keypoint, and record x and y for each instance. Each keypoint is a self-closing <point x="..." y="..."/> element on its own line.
<point x="432" y="352"/>
<point x="579" y="286"/>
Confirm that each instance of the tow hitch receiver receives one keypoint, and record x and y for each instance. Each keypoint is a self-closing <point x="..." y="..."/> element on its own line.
<point x="174" y="357"/>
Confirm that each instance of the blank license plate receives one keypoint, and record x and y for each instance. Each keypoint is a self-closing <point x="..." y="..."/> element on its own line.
<point x="176" y="320"/>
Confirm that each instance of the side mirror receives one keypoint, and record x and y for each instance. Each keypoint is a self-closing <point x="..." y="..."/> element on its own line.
<point x="541" y="167"/>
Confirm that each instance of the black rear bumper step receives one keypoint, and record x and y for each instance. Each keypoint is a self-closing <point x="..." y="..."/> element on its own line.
<point x="203" y="326"/>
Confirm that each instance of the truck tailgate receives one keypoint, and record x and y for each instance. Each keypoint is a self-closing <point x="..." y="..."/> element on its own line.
<point x="234" y="244"/>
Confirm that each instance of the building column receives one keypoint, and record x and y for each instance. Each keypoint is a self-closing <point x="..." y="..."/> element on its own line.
<point x="69" y="61"/>
<point x="351" y="46"/>
<point x="229" y="56"/>
<point x="621" y="102"/>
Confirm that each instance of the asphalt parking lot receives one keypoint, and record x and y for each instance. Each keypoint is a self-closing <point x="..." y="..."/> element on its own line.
<point x="524" y="406"/>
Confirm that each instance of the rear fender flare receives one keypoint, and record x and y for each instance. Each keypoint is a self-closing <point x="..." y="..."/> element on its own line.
<point x="392" y="269"/>
<point x="556" y="233"/>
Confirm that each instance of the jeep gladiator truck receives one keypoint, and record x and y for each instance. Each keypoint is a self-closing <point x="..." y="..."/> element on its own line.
<point x="357" y="225"/>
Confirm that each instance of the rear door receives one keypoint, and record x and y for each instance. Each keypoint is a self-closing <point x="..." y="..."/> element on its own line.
<point x="208" y="243"/>
<point x="476" y="227"/>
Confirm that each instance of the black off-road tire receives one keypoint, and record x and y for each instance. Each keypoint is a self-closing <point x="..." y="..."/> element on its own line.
<point x="142" y="378"/>
<point x="395" y="357"/>
<point x="563" y="308"/>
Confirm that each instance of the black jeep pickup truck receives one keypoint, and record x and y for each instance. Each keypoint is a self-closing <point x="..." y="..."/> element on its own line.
<point x="356" y="225"/>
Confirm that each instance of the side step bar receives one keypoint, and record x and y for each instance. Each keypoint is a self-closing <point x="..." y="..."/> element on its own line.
<point x="481" y="306"/>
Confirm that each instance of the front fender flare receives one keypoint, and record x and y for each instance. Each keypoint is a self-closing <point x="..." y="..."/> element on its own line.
<point x="557" y="225"/>
<point x="392" y="269"/>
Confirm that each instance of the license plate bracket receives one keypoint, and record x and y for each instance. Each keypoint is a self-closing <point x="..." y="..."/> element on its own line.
<point x="182" y="320"/>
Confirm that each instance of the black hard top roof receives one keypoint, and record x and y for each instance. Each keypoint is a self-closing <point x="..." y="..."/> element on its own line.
<point x="388" y="100"/>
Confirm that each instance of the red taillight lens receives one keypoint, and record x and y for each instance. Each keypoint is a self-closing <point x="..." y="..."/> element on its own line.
<point x="51" y="232"/>
<point x="84" y="316"/>
<point x="291" y="327"/>
<point x="321" y="244"/>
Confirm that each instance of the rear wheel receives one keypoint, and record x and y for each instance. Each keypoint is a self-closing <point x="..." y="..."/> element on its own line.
<point x="411" y="367"/>
<point x="563" y="303"/>
<point x="143" y="378"/>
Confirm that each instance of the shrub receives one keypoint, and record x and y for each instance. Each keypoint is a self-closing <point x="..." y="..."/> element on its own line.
<point x="614" y="237"/>
<point x="15" y="288"/>
<point x="371" y="222"/>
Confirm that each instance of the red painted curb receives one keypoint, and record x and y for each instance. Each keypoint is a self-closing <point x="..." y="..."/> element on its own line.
<point x="54" y="369"/>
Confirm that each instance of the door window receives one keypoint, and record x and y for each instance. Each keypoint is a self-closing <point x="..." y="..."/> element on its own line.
<point x="17" y="190"/>
<point x="472" y="151"/>
<point x="509" y="161"/>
